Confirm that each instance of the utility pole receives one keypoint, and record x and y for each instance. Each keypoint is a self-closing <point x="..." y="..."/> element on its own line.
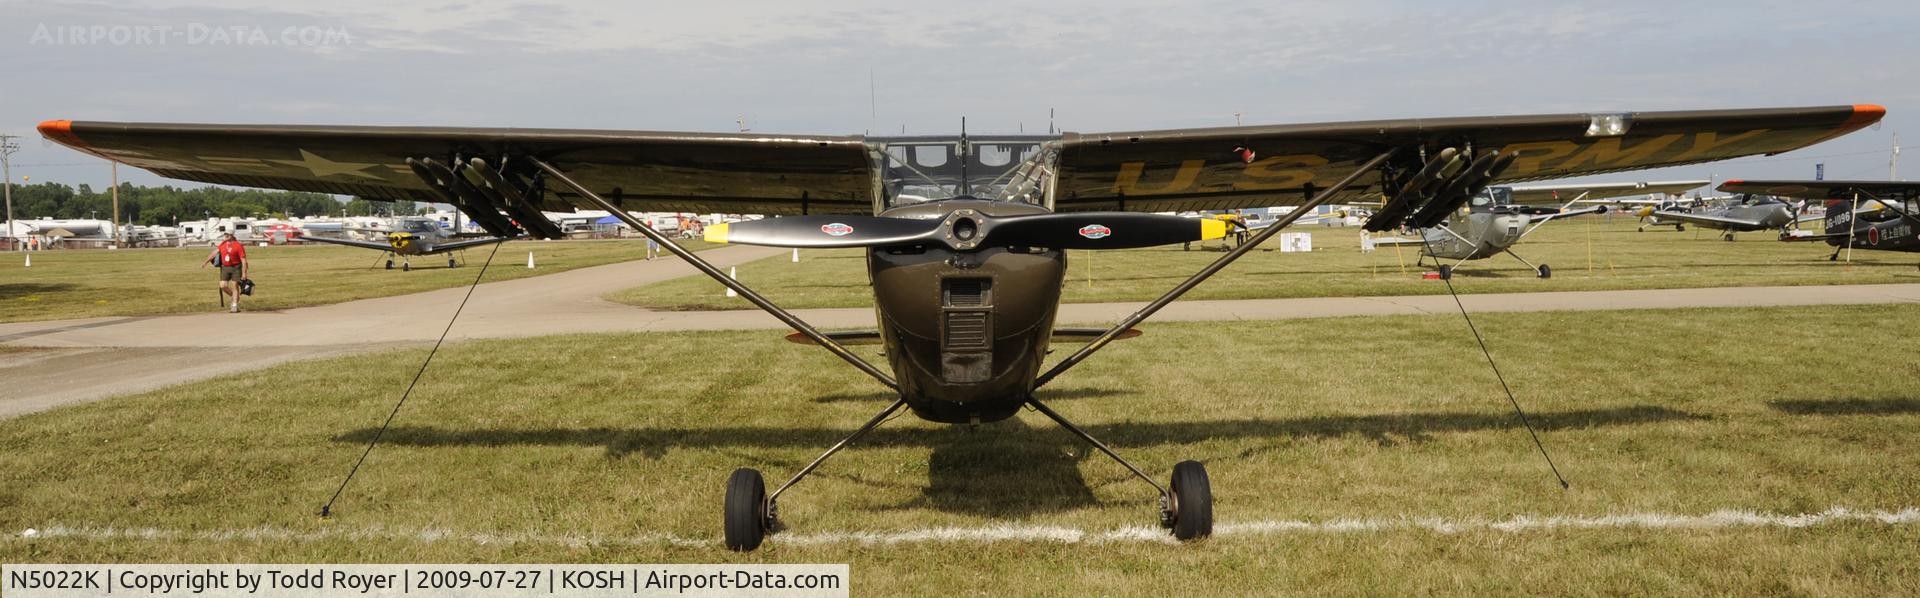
<point x="119" y="235"/>
<point x="7" y="147"/>
<point x="1893" y="164"/>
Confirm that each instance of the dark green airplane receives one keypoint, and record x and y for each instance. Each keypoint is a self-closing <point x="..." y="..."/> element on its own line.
<point x="965" y="236"/>
<point x="1869" y="215"/>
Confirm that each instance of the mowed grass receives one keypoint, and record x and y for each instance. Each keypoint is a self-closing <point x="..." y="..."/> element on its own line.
<point x="603" y="448"/>
<point x="142" y="282"/>
<point x="1584" y="254"/>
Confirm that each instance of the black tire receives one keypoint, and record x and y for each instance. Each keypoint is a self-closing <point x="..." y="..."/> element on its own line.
<point x="746" y="517"/>
<point x="451" y="263"/>
<point x="1727" y="237"/>
<point x="1192" y="501"/>
<point x="389" y="264"/>
<point x="1680" y="228"/>
<point x="1446" y="272"/>
<point x="406" y="267"/>
<point x="1545" y="272"/>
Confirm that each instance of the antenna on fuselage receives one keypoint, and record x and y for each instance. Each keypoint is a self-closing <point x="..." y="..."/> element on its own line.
<point x="966" y="189"/>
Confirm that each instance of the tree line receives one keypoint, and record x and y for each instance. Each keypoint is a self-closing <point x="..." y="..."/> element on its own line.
<point x="169" y="205"/>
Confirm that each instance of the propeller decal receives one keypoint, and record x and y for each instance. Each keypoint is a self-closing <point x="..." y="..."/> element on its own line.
<point x="1095" y="231"/>
<point x="836" y="229"/>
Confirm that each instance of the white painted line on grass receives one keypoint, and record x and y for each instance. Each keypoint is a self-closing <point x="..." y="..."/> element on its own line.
<point x="1724" y="518"/>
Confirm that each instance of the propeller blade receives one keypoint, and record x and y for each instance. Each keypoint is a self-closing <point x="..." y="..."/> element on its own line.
<point x="827" y="231"/>
<point x="1102" y="230"/>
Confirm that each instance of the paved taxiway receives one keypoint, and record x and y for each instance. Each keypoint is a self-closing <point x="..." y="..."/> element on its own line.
<point x="99" y="357"/>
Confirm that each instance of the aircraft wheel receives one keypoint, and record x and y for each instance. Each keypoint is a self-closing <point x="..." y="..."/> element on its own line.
<point x="452" y="264"/>
<point x="1642" y="228"/>
<point x="1680" y="228"/>
<point x="1192" y="501"/>
<point x="406" y="267"/>
<point x="1446" y="272"/>
<point x="746" y="517"/>
<point x="1545" y="272"/>
<point x="389" y="264"/>
<point x="1726" y="237"/>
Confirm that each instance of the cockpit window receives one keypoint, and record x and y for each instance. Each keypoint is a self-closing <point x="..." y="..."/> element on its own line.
<point x="1006" y="168"/>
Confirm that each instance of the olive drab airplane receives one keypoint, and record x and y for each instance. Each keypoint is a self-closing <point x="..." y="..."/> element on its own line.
<point x="411" y="236"/>
<point x="965" y="235"/>
<point x="1499" y="217"/>
<point x="1870" y="215"/>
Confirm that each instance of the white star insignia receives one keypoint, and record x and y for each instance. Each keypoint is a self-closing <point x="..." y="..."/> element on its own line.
<point x="322" y="167"/>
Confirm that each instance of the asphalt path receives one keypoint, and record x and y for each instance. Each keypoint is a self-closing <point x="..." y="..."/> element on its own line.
<point x="89" y="359"/>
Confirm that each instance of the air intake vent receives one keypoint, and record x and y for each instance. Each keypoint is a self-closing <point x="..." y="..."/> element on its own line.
<point x="967" y="330"/>
<point x="968" y="292"/>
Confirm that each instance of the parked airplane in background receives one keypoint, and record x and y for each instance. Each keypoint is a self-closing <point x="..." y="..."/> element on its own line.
<point x="1871" y="215"/>
<point x="415" y="235"/>
<point x="1499" y="217"/>
<point x="1746" y="213"/>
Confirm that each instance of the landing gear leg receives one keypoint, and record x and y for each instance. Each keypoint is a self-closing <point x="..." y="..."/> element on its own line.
<point x="1540" y="270"/>
<point x="1187" y="507"/>
<point x="751" y="512"/>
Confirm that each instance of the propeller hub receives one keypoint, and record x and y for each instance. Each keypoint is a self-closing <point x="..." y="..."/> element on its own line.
<point x="964" y="229"/>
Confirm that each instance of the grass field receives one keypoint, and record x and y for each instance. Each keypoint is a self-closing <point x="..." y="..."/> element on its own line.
<point x="1620" y="259"/>
<point x="615" y="449"/>
<point x="142" y="282"/>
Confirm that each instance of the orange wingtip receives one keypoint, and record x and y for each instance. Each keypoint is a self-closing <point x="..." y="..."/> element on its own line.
<point x="61" y="131"/>
<point x="1863" y="115"/>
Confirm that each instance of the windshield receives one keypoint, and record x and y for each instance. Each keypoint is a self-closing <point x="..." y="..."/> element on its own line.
<point x="417" y="226"/>
<point x="1006" y="168"/>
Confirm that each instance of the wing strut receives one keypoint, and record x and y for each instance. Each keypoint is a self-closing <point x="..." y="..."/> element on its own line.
<point x="1214" y="268"/>
<point x="706" y="268"/>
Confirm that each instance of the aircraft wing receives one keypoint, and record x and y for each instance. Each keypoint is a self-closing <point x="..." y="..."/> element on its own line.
<point x="1560" y="194"/>
<point x="351" y="243"/>
<point x="1692" y="218"/>
<point x="639" y="170"/>
<point x="463" y="244"/>
<point x="1203" y="169"/>
<point x="1398" y="241"/>
<point x="1826" y="189"/>
<point x="1145" y="171"/>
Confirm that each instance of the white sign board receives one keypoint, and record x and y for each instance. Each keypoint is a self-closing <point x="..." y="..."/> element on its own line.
<point x="1292" y="242"/>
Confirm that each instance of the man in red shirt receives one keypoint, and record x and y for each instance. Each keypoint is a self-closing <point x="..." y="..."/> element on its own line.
<point x="231" y="257"/>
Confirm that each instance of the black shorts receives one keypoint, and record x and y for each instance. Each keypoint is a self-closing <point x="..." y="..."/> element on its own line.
<point x="229" y="273"/>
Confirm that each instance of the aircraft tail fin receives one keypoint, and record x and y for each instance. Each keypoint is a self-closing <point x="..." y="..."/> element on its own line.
<point x="1839" y="216"/>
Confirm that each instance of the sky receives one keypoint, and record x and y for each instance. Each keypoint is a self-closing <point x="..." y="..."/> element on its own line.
<point x="882" y="67"/>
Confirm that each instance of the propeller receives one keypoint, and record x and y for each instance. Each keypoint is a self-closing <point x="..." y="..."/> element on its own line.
<point x="968" y="229"/>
